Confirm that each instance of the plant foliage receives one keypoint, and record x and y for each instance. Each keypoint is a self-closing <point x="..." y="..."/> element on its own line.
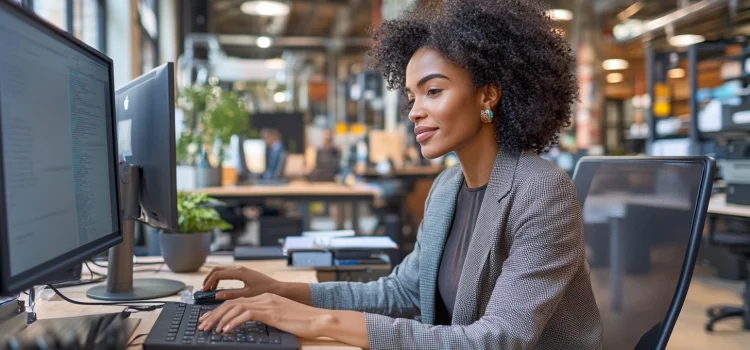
<point x="196" y="213"/>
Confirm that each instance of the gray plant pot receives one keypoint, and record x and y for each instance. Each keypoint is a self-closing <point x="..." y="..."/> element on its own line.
<point x="185" y="252"/>
<point x="208" y="177"/>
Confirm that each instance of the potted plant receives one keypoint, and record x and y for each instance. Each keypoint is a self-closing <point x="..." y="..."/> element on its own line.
<point x="211" y="117"/>
<point x="186" y="250"/>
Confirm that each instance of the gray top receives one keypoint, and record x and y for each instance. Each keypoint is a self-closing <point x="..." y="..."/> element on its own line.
<point x="468" y="203"/>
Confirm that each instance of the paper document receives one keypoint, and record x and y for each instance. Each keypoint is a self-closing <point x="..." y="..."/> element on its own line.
<point x="358" y="242"/>
<point x="335" y="233"/>
<point x="368" y="242"/>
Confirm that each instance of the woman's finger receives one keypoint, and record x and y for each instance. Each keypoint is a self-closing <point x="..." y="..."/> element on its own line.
<point x="245" y="316"/>
<point x="214" y="317"/>
<point x="213" y="281"/>
<point x="235" y="311"/>
<point x="213" y="271"/>
<point x="206" y="315"/>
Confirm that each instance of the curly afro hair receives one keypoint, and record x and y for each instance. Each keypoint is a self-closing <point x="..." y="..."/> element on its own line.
<point x="509" y="43"/>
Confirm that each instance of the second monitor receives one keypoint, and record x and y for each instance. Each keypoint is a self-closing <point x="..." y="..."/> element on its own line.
<point x="146" y="146"/>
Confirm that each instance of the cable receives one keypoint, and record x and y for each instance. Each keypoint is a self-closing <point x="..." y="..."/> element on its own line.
<point x="159" y="304"/>
<point x="80" y="282"/>
<point x="92" y="271"/>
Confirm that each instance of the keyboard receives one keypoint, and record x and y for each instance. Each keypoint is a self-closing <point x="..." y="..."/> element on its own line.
<point x="177" y="328"/>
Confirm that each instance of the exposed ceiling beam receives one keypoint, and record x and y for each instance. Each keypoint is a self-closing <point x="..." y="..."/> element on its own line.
<point x="292" y="41"/>
<point x="683" y="14"/>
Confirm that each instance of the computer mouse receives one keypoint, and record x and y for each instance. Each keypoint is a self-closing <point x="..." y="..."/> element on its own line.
<point x="206" y="298"/>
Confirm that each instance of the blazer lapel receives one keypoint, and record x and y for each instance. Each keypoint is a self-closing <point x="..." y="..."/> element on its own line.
<point x="490" y="217"/>
<point x="435" y="227"/>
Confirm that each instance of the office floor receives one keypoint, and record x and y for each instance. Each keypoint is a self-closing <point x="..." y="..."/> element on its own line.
<point x="705" y="291"/>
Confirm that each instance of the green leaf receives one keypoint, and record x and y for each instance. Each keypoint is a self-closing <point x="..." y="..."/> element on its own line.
<point x="195" y="216"/>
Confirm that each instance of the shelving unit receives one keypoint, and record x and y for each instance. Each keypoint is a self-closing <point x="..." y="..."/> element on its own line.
<point x="657" y="65"/>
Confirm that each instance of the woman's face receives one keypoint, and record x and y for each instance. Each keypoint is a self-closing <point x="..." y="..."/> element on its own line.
<point x="445" y="106"/>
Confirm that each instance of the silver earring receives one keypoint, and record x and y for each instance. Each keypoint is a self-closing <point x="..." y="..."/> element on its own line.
<point x="486" y="116"/>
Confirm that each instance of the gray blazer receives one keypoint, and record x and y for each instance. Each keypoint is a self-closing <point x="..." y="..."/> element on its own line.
<point x="525" y="283"/>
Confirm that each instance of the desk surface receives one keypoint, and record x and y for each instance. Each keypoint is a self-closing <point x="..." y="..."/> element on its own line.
<point x="293" y="188"/>
<point x="275" y="268"/>
<point x="421" y="170"/>
<point x="718" y="205"/>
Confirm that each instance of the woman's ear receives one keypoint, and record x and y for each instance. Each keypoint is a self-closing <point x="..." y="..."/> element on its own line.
<point x="491" y="96"/>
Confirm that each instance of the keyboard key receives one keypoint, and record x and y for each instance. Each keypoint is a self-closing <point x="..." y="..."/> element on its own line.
<point x="251" y="339"/>
<point x="227" y="339"/>
<point x="241" y="338"/>
<point x="275" y="339"/>
<point x="187" y="341"/>
<point x="189" y="332"/>
<point x="263" y="339"/>
<point x="171" y="338"/>
<point x="215" y="338"/>
<point x="201" y="341"/>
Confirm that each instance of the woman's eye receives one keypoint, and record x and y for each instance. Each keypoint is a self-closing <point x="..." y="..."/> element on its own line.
<point x="410" y="104"/>
<point x="433" y="92"/>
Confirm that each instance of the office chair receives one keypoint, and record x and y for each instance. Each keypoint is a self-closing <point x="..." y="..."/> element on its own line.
<point x="643" y="221"/>
<point x="736" y="237"/>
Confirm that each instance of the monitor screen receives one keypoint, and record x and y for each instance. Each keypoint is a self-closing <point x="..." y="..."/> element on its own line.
<point x="639" y="217"/>
<point x="59" y="186"/>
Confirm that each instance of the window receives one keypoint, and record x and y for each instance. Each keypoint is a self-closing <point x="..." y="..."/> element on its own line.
<point x="83" y="18"/>
<point x="86" y="22"/>
<point x="148" y="19"/>
<point x="54" y="11"/>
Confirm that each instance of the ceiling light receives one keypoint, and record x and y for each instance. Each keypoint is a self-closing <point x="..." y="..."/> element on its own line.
<point x="615" y="64"/>
<point x="263" y="42"/>
<point x="614" y="78"/>
<point x="676" y="73"/>
<point x="560" y="14"/>
<point x="685" y="40"/>
<point x="265" y="8"/>
<point x="279" y="97"/>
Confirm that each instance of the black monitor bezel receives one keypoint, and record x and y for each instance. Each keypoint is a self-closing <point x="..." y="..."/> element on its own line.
<point x="696" y="232"/>
<point x="10" y="285"/>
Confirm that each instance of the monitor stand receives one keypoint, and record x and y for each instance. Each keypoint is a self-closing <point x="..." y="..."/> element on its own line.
<point x="120" y="283"/>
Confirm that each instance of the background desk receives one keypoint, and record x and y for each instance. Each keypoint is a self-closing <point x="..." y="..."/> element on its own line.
<point x="277" y="269"/>
<point x="302" y="192"/>
<point x="718" y="206"/>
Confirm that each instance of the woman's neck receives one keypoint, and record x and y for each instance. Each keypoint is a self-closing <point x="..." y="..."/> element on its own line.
<point x="477" y="156"/>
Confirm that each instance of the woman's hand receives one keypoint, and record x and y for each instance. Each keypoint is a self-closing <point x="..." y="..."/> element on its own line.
<point x="255" y="282"/>
<point x="290" y="316"/>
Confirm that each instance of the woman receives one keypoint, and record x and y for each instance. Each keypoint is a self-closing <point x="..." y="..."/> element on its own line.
<point x="499" y="261"/>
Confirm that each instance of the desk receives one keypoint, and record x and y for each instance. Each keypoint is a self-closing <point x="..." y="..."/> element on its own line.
<point x="302" y="192"/>
<point x="275" y="268"/>
<point x="420" y="171"/>
<point x="718" y="206"/>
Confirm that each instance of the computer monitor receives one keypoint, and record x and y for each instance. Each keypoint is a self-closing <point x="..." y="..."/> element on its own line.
<point x="146" y="137"/>
<point x="643" y="221"/>
<point x="146" y="146"/>
<point x="58" y="169"/>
